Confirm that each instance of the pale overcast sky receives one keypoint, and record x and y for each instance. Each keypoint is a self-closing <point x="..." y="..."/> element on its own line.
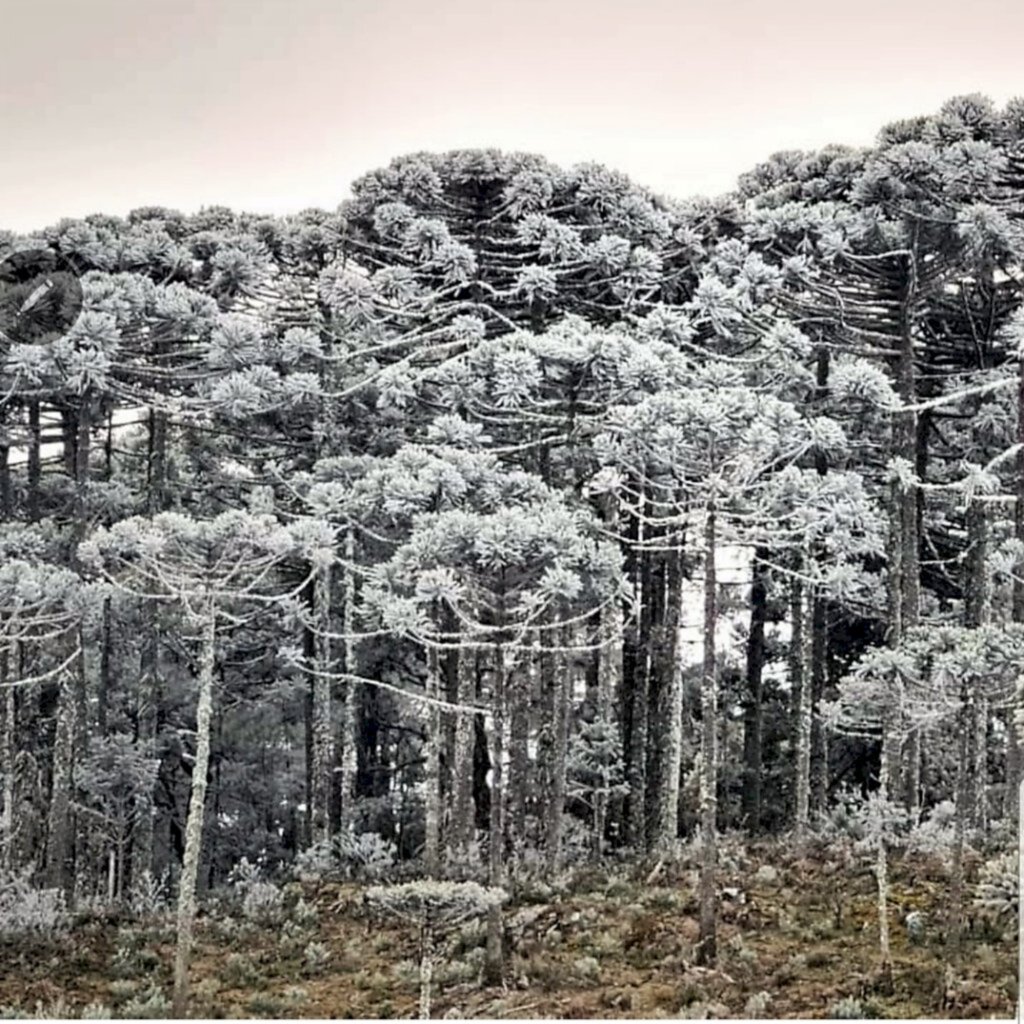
<point x="275" y="105"/>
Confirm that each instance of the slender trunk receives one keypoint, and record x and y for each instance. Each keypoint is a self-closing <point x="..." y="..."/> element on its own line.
<point x="350" y="707"/>
<point x="904" y="571"/>
<point x="904" y="588"/>
<point x="882" y="857"/>
<point x="426" y="969"/>
<point x="609" y="675"/>
<point x="496" y="841"/>
<point x="912" y="774"/>
<point x="977" y="612"/>
<point x="1018" y="508"/>
<point x="752" y="712"/>
<point x="104" y="679"/>
<point x="1012" y="768"/>
<point x="35" y="462"/>
<point x="463" y="818"/>
<point x="960" y="820"/>
<point x="149" y="700"/>
<point x="156" y="466"/>
<point x="803" y="611"/>
<point x="59" y="829"/>
<point x="882" y="878"/>
<point x="518" y="781"/>
<point x="707" y="950"/>
<point x="6" y="491"/>
<point x="1014" y="781"/>
<point x="321" y="732"/>
<point x="432" y="773"/>
<point x="816" y="671"/>
<point x="657" y="639"/>
<point x="8" y="747"/>
<point x="635" y="662"/>
<point x="978" y="799"/>
<point x="563" y="701"/>
<point x="669" y="713"/>
<point x="83" y="450"/>
<point x="196" y="812"/>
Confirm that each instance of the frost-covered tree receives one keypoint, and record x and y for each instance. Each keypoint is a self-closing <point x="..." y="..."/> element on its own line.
<point x="434" y="907"/>
<point x="207" y="568"/>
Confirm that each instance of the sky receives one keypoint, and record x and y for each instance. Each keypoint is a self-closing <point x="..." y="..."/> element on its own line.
<point x="277" y="105"/>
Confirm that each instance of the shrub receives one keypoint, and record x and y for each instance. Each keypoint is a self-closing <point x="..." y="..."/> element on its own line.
<point x="148" y="895"/>
<point x="587" y="968"/>
<point x="240" y="972"/>
<point x="96" y="1011"/>
<point x="353" y="855"/>
<point x="122" y="989"/>
<point x="315" y="958"/>
<point x="849" y="1008"/>
<point x="757" y="1005"/>
<point x="263" y="902"/>
<point x="153" y="1005"/>
<point x="935" y="836"/>
<point x="997" y="890"/>
<point x="27" y="911"/>
<point x="260" y="900"/>
<point x="304" y="914"/>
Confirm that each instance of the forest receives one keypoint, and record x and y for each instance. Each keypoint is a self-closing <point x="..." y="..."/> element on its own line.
<point x="517" y="593"/>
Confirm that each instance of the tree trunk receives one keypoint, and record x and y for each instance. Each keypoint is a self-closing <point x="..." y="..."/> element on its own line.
<point x="977" y="612"/>
<point x="496" y="841"/>
<point x="432" y="772"/>
<point x="978" y="798"/>
<point x="463" y="819"/>
<point x="1018" y="507"/>
<point x="753" y="719"/>
<point x="6" y="491"/>
<point x="426" y="969"/>
<point x="321" y="733"/>
<point x="609" y="684"/>
<point x="1010" y="802"/>
<point x="667" y="763"/>
<point x="35" y="463"/>
<point x="960" y="820"/>
<point x="563" y="684"/>
<point x="635" y="672"/>
<point x="8" y="747"/>
<point x="350" y="706"/>
<point x="707" y="949"/>
<point x="83" y="449"/>
<point x="156" y="465"/>
<point x="518" y="781"/>
<point x="59" y="829"/>
<point x="106" y="656"/>
<point x="817" y="671"/>
<point x="149" y="699"/>
<point x="803" y="630"/>
<point x="196" y="813"/>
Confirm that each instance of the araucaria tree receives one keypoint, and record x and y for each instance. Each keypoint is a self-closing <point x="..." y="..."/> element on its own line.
<point x="210" y="569"/>
<point x="512" y="518"/>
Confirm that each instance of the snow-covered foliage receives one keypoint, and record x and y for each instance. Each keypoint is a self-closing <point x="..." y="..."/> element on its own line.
<point x="514" y="517"/>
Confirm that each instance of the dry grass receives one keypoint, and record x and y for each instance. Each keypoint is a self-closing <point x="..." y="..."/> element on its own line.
<point x="609" y="948"/>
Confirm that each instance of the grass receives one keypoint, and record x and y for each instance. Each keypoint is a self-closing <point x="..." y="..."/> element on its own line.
<point x="606" y="948"/>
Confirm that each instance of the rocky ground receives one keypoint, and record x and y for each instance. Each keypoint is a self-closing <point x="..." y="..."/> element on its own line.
<point x="798" y="938"/>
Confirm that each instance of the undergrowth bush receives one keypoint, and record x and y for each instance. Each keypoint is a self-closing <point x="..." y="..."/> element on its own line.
<point x="998" y="890"/>
<point x="364" y="856"/>
<point x="27" y="911"/>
